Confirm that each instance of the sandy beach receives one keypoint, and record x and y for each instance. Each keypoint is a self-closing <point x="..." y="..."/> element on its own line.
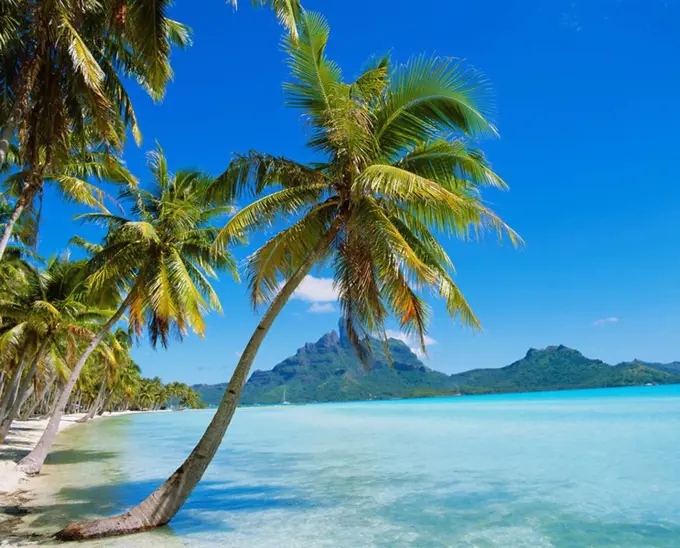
<point x="17" y="489"/>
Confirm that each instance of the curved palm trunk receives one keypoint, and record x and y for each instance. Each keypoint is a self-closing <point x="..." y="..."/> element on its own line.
<point x="12" y="389"/>
<point x="52" y="401"/>
<point x="96" y="404"/>
<point x="32" y="463"/>
<point x="107" y="402"/>
<point x="6" y="135"/>
<point x="11" y="392"/>
<point x="24" y="390"/>
<point x="39" y="399"/>
<point x="22" y="395"/>
<point x="20" y="103"/>
<point x="30" y="71"/>
<point x="162" y="505"/>
<point x="30" y="392"/>
<point x="26" y="197"/>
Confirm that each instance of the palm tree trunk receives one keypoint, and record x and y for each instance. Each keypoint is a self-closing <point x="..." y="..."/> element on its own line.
<point x="32" y="463"/>
<point x="77" y="401"/>
<point x="30" y="71"/>
<point x="23" y="392"/>
<point x="27" y="195"/>
<point x="25" y="395"/>
<point x="28" y="413"/>
<point x="53" y="400"/>
<point x="162" y="505"/>
<point x="107" y="402"/>
<point x="12" y="389"/>
<point x="6" y="135"/>
<point x="96" y="404"/>
<point x="30" y="402"/>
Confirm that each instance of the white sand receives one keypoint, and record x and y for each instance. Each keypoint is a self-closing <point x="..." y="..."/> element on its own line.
<point x="22" y="496"/>
<point x="22" y="437"/>
<point x="17" y="489"/>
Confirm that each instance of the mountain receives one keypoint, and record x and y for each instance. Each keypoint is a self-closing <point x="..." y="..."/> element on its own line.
<point x="329" y="370"/>
<point x="559" y="367"/>
<point x="673" y="367"/>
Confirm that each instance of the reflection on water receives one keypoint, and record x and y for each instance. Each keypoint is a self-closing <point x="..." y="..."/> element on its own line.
<point x="561" y="469"/>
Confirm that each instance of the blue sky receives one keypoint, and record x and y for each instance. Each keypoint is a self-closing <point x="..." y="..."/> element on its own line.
<point x="587" y="106"/>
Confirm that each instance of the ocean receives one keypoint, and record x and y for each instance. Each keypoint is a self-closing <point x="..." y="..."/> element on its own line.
<point x="555" y="469"/>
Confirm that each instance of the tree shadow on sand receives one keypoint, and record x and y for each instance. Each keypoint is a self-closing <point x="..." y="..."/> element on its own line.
<point x="63" y="456"/>
<point x="14" y="453"/>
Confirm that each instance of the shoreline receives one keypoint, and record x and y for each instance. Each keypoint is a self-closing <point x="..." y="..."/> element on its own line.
<point x="16" y="488"/>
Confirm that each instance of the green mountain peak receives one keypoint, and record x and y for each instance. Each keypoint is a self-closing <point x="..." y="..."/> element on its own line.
<point x="329" y="370"/>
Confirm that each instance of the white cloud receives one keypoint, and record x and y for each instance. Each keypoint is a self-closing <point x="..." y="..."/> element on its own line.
<point x="605" y="321"/>
<point x="410" y="341"/>
<point x="321" y="308"/>
<point x="429" y="341"/>
<point x="403" y="337"/>
<point x="316" y="290"/>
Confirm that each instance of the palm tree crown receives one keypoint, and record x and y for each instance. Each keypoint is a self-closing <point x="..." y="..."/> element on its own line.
<point x="161" y="259"/>
<point x="63" y="71"/>
<point x="163" y="256"/>
<point x="397" y="168"/>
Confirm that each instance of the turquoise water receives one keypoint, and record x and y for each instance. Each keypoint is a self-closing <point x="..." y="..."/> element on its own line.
<point x="577" y="468"/>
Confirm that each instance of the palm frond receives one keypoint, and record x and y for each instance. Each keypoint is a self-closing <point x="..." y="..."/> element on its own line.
<point x="315" y="76"/>
<point x="428" y="96"/>
<point x="264" y="212"/>
<point x="81" y="56"/>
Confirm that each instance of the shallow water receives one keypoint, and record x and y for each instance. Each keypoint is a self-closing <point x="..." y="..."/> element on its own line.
<point x="577" y="468"/>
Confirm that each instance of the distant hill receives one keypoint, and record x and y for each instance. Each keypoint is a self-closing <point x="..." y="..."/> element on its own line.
<point x="328" y="370"/>
<point x="673" y="367"/>
<point x="559" y="367"/>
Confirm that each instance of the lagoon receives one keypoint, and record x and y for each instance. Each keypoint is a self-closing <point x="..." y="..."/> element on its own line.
<point x="556" y="469"/>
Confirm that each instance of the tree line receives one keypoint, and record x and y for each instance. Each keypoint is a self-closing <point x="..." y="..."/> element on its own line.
<point x="397" y="169"/>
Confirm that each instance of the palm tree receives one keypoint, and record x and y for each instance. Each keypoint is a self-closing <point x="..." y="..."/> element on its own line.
<point x="160" y="260"/>
<point x="77" y="177"/>
<point x="287" y="11"/>
<point x="63" y="69"/>
<point x="62" y="66"/>
<point x="395" y="164"/>
<point x="25" y="229"/>
<point x="106" y="369"/>
<point x="46" y="320"/>
<point x="146" y="394"/>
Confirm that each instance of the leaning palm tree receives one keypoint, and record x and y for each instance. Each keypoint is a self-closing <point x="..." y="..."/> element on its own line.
<point x="45" y="321"/>
<point x="77" y="176"/>
<point x="82" y="46"/>
<point x="160" y="260"/>
<point x="126" y="386"/>
<point x="395" y="165"/>
<point x="106" y="368"/>
<point x="64" y="65"/>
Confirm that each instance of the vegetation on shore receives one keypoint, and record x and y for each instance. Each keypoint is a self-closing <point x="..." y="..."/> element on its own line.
<point x="48" y="318"/>
<point x="396" y="168"/>
<point x="329" y="371"/>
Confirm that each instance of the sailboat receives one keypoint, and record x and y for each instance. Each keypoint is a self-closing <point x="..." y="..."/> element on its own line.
<point x="284" y="401"/>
